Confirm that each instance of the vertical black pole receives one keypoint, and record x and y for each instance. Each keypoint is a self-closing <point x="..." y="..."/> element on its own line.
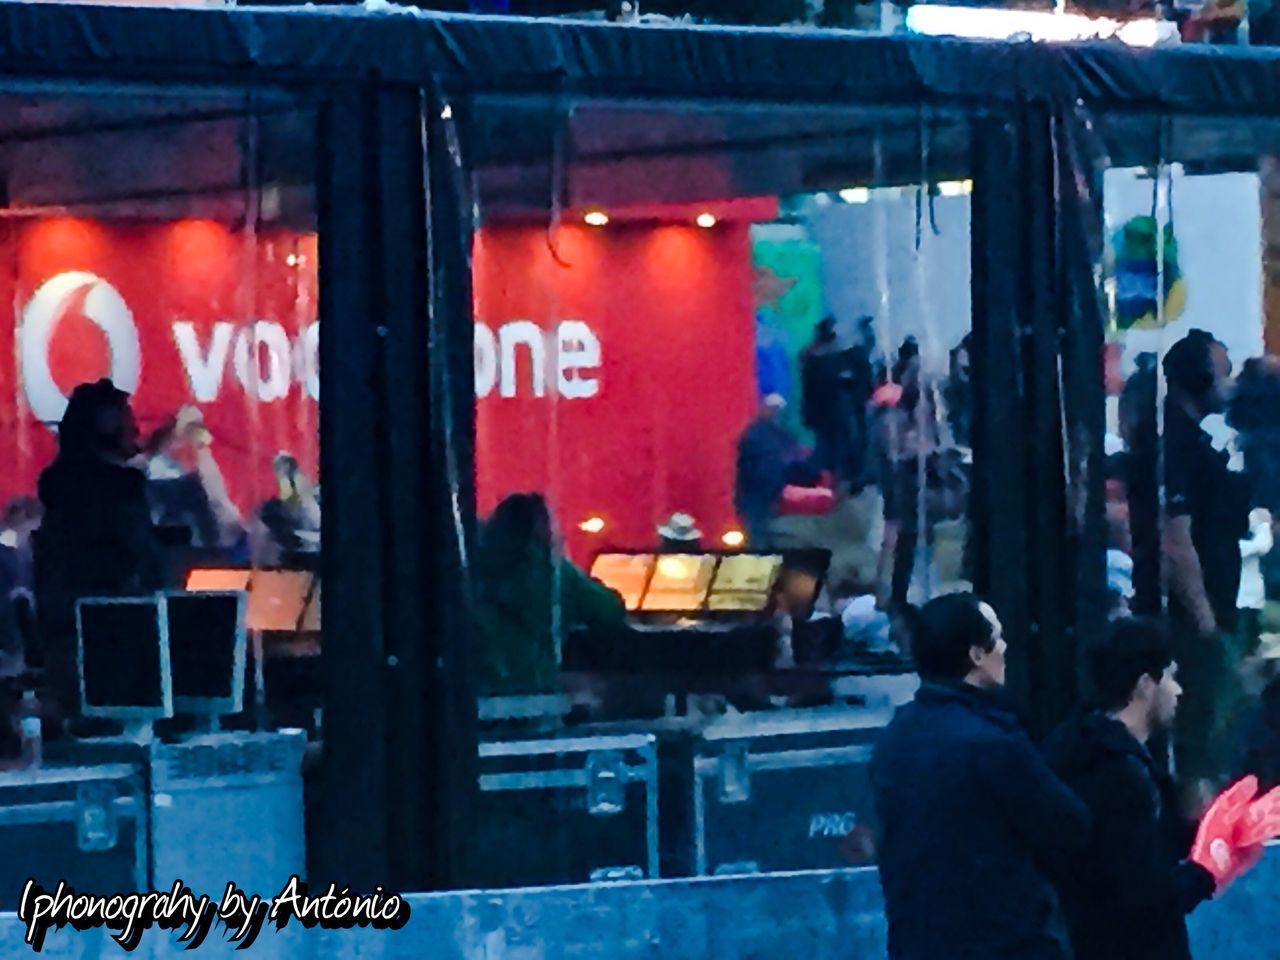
<point x="1083" y="339"/>
<point x="396" y="433"/>
<point x="1001" y="492"/>
<point x="1038" y="429"/>
<point x="351" y="839"/>
<point x="1051" y="683"/>
<point x="410" y="589"/>
<point x="450" y="486"/>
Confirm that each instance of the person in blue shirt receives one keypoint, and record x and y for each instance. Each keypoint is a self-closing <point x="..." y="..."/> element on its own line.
<point x="766" y="452"/>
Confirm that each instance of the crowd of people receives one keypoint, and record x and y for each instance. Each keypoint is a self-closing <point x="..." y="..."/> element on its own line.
<point x="875" y="423"/>
<point x="878" y="425"/>
<point x="113" y="512"/>
<point x="1161" y="790"/>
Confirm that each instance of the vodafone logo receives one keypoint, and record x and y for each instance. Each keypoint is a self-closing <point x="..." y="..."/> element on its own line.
<point x="57" y="299"/>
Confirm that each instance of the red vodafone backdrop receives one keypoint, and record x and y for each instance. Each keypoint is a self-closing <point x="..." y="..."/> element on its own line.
<point x="189" y="312"/>
<point x="615" y="381"/>
<point x="632" y="409"/>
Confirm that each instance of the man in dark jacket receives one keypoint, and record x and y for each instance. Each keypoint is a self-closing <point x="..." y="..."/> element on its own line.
<point x="973" y="821"/>
<point x="1128" y="898"/>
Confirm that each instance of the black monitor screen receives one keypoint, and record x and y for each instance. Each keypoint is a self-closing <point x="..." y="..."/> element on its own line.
<point x="203" y="629"/>
<point x="122" y="661"/>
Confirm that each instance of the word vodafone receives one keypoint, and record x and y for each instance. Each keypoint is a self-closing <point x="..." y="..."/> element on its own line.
<point x="519" y="358"/>
<point x="563" y="360"/>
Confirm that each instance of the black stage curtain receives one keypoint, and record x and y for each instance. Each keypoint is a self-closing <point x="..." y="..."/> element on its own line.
<point x="1038" y="500"/>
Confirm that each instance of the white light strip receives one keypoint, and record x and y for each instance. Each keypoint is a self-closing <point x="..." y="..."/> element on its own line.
<point x="991" y="24"/>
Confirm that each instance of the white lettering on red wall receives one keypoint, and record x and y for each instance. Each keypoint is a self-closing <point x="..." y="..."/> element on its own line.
<point x="265" y="362"/>
<point x="521" y="359"/>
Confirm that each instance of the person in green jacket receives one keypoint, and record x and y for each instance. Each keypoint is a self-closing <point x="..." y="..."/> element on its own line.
<point x="521" y="575"/>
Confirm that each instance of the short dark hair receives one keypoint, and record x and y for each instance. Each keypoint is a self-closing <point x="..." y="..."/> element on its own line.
<point x="1133" y="648"/>
<point x="1188" y="363"/>
<point x="943" y="632"/>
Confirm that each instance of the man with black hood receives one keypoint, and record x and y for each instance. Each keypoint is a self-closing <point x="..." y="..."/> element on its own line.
<point x="973" y="822"/>
<point x="1128" y="897"/>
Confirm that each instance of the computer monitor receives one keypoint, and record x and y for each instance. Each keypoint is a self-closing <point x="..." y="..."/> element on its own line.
<point x="744" y="582"/>
<point x="679" y="583"/>
<point x="207" y="651"/>
<point x="123" y="655"/>
<point x="627" y="573"/>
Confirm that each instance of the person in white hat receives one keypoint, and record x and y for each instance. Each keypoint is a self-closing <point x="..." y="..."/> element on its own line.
<point x="680" y="534"/>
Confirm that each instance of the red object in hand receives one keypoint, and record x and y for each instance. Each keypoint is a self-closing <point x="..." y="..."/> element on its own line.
<point x="887" y="395"/>
<point x="806" y="501"/>
<point x="1261" y="821"/>
<point x="1217" y="847"/>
